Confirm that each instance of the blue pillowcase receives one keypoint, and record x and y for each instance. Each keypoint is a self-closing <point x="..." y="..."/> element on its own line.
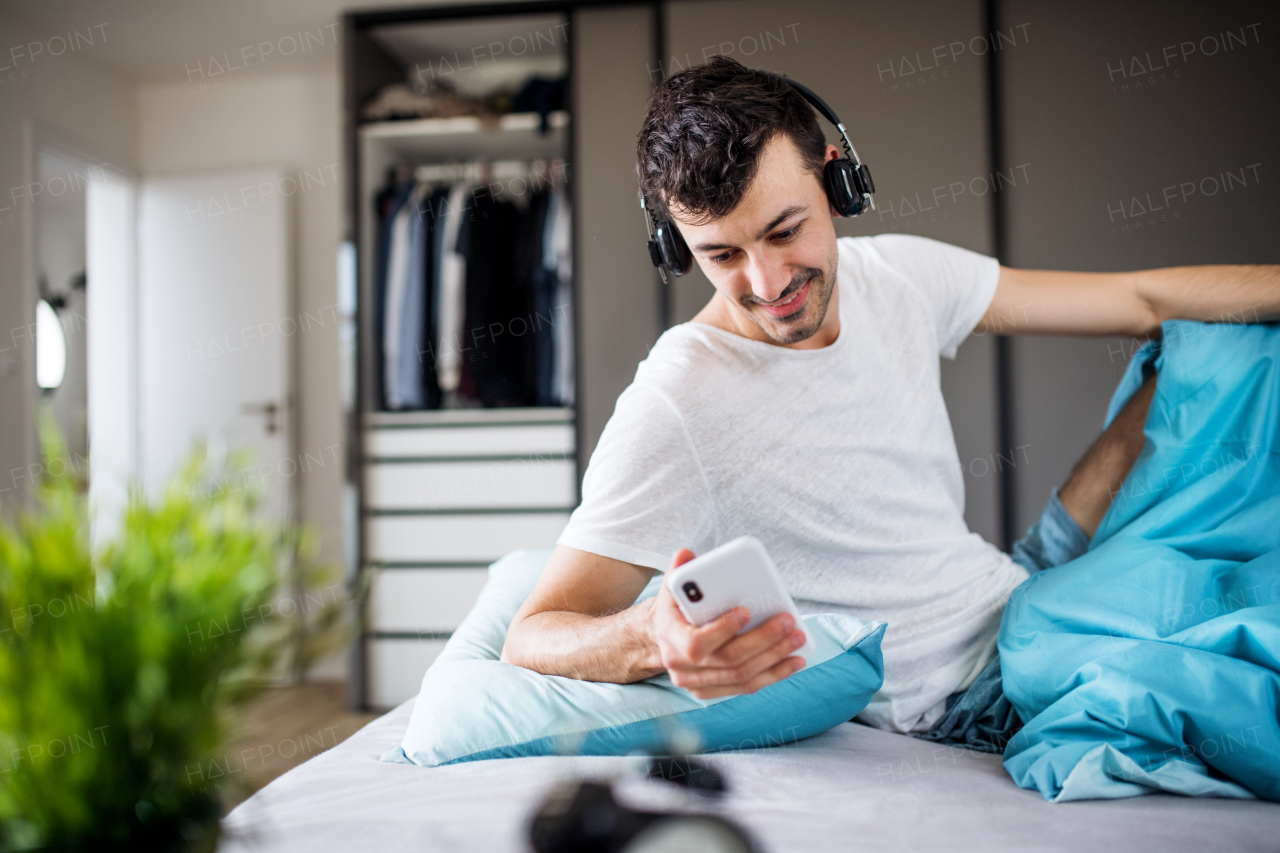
<point x="472" y="706"/>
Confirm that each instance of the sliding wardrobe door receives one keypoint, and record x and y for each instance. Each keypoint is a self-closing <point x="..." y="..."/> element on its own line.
<point x="1149" y="128"/>
<point x="909" y="82"/>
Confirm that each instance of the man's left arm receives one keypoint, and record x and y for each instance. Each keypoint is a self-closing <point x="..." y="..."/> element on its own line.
<point x="1045" y="302"/>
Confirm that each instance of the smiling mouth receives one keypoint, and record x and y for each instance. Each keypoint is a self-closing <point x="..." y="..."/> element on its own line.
<point x="791" y="305"/>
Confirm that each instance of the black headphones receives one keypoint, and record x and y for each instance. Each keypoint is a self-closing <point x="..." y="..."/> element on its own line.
<point x="847" y="180"/>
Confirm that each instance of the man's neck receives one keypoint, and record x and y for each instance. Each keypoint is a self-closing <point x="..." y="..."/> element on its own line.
<point x="721" y="314"/>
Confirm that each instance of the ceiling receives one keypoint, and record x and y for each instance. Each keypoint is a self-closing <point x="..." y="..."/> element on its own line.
<point x="174" y="40"/>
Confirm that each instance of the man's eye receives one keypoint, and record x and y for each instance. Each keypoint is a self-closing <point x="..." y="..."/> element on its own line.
<point x="782" y="236"/>
<point x="721" y="258"/>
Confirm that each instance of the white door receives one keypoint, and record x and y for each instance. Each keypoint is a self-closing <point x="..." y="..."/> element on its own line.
<point x="216" y="327"/>
<point x="112" y="327"/>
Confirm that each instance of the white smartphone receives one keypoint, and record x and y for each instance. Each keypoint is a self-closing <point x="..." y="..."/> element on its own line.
<point x="737" y="574"/>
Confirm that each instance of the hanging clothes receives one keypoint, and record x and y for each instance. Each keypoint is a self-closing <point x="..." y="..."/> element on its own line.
<point x="555" y="372"/>
<point x="430" y="344"/>
<point x="562" y="257"/>
<point x="402" y="320"/>
<point x="540" y="346"/>
<point x="387" y="203"/>
<point x="495" y="301"/>
<point x="450" y="279"/>
<point x="472" y="298"/>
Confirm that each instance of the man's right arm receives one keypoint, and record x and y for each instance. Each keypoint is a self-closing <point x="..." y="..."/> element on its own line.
<point x="579" y="622"/>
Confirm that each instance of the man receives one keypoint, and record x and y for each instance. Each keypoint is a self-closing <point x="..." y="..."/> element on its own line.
<point x="802" y="406"/>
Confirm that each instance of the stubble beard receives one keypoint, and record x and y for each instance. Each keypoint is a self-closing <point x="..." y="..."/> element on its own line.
<point x="804" y="325"/>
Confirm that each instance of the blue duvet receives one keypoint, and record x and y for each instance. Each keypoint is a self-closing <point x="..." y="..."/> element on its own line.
<point x="1152" y="663"/>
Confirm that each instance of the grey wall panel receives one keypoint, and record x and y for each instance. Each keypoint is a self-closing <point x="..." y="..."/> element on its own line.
<point x="1115" y="105"/>
<point x="969" y="387"/>
<point x="908" y="80"/>
<point x="617" y="286"/>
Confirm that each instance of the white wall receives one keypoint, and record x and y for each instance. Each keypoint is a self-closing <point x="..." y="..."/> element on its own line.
<point x="292" y="122"/>
<point x="67" y="100"/>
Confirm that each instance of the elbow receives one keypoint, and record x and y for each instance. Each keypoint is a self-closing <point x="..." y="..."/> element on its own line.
<point x="1149" y="324"/>
<point x="512" y="648"/>
<point x="1148" y="313"/>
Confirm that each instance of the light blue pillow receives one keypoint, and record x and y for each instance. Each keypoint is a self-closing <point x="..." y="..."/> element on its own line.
<point x="472" y="706"/>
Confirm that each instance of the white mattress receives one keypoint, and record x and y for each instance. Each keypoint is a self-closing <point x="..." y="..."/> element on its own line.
<point x="853" y="788"/>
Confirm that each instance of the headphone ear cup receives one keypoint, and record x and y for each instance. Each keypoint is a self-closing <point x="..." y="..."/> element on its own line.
<point x="842" y="187"/>
<point x="675" y="251"/>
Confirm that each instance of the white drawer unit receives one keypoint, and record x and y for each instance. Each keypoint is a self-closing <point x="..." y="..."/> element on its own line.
<point x="396" y="666"/>
<point x="552" y="439"/>
<point x="452" y="538"/>
<point x="433" y="600"/>
<point x="471" y="483"/>
<point x="444" y="495"/>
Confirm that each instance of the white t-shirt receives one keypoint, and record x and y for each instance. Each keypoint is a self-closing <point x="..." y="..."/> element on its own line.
<point x="840" y="460"/>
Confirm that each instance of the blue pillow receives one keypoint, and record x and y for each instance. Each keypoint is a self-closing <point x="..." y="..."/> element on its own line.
<point x="472" y="706"/>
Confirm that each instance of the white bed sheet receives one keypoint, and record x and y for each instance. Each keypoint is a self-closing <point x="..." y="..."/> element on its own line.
<point x="853" y="788"/>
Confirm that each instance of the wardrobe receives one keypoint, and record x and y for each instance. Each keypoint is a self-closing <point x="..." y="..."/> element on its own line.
<point x="489" y="254"/>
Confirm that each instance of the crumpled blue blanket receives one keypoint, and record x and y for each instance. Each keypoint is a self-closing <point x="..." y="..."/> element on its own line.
<point x="1152" y="663"/>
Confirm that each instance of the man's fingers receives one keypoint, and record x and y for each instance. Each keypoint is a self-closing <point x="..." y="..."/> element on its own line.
<point x="681" y="557"/>
<point x="704" y="642"/>
<point x="774" y="674"/>
<point x="744" y="647"/>
<point x="737" y="676"/>
<point x="666" y="599"/>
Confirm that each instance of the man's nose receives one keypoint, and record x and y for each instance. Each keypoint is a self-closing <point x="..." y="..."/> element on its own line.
<point x="769" y="277"/>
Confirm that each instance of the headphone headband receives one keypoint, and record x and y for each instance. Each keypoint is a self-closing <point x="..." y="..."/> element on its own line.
<point x="829" y="114"/>
<point x="817" y="102"/>
<point x="847" y="181"/>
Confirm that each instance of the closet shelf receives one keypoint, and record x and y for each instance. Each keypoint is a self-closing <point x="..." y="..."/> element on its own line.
<point x="517" y="134"/>
<point x="512" y="122"/>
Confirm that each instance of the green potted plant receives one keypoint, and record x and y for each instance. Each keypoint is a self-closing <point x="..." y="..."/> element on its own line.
<point x="109" y="694"/>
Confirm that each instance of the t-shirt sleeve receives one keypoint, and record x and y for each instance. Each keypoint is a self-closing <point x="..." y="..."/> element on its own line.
<point x="644" y="495"/>
<point x="957" y="284"/>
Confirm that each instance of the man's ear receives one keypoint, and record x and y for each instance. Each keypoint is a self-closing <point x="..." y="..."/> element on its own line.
<point x="832" y="153"/>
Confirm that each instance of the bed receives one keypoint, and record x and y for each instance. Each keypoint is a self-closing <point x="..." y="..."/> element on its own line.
<point x="852" y="788"/>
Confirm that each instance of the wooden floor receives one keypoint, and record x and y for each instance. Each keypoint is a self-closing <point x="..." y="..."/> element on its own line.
<point x="277" y="731"/>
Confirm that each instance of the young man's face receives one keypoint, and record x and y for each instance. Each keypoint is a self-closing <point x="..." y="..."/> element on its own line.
<point x="772" y="259"/>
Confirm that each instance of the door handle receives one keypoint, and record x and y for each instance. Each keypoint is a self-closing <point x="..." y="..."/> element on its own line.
<point x="271" y="409"/>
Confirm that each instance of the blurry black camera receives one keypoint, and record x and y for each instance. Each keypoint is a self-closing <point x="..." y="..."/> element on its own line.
<point x="583" y="817"/>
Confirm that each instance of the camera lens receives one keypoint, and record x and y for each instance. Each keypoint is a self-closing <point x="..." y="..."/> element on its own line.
<point x="692" y="592"/>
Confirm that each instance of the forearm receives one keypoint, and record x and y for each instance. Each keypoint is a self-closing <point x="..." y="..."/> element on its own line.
<point x="616" y="648"/>
<point x="1214" y="294"/>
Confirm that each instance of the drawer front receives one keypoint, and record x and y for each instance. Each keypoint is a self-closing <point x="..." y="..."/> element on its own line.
<point x="429" y="600"/>
<point x="521" y="482"/>
<point x="545" y="439"/>
<point x="458" y="538"/>
<point x="396" y="667"/>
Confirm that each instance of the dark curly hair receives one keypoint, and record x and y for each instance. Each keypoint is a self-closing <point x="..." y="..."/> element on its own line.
<point x="700" y="145"/>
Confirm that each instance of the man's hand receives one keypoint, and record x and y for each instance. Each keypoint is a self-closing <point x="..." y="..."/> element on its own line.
<point x="580" y="622"/>
<point x="712" y="661"/>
